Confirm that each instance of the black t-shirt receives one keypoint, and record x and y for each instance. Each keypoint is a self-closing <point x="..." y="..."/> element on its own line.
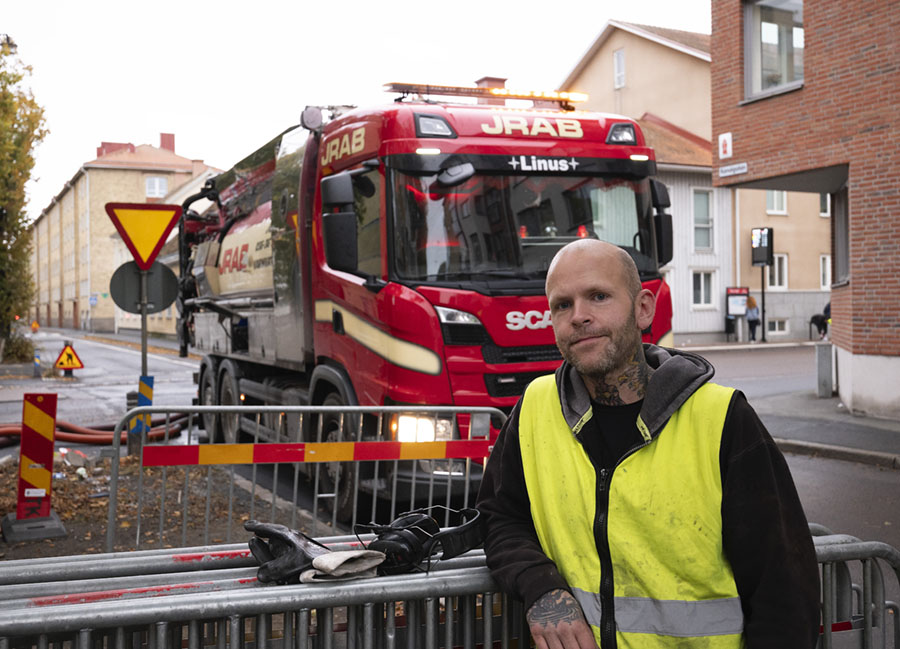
<point x="611" y="432"/>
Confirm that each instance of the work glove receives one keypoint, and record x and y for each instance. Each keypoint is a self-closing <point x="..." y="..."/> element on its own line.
<point x="289" y="556"/>
<point x="282" y="553"/>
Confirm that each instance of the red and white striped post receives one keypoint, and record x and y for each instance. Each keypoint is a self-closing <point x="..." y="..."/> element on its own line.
<point x="34" y="519"/>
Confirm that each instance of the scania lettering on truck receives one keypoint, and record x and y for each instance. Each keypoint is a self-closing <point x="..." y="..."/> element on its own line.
<point x="397" y="255"/>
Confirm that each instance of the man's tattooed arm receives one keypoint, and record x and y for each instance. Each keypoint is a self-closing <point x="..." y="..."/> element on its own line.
<point x="556" y="619"/>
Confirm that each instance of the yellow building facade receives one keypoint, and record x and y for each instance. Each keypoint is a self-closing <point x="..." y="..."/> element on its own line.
<point x="76" y="248"/>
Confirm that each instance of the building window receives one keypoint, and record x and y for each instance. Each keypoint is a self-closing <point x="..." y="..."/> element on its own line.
<point x="776" y="201"/>
<point x="841" y="238"/>
<point x="773" y="46"/>
<point x="157" y="186"/>
<point x="825" y="205"/>
<point x="619" y="69"/>
<point x="702" y="289"/>
<point x="778" y="273"/>
<point x="703" y="221"/>
<point x="777" y="326"/>
<point x="825" y="272"/>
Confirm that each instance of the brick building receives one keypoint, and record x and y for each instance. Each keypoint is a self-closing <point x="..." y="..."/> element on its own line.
<point x="806" y="97"/>
<point x="76" y="248"/>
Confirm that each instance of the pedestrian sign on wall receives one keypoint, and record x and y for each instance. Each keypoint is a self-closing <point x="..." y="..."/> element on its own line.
<point x="144" y="227"/>
<point x="68" y="359"/>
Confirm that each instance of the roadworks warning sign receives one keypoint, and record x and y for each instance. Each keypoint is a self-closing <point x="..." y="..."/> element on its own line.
<point x="68" y="360"/>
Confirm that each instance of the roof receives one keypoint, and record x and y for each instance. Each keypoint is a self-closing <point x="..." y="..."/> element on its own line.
<point x="143" y="156"/>
<point x="674" y="145"/>
<point x="691" y="43"/>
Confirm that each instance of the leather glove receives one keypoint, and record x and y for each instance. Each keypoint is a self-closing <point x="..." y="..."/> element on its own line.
<point x="283" y="553"/>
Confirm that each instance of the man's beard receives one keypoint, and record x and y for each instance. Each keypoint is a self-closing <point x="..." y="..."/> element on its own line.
<point x="621" y="348"/>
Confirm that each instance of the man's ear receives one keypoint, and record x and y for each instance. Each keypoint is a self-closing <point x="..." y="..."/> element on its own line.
<point x="644" y="308"/>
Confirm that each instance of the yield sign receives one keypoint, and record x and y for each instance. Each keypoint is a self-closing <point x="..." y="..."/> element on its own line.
<point x="144" y="227"/>
<point x="68" y="360"/>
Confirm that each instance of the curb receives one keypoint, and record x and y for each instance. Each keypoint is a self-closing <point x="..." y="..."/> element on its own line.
<point x="874" y="458"/>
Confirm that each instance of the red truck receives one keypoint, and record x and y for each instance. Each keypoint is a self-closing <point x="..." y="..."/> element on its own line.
<point x="397" y="255"/>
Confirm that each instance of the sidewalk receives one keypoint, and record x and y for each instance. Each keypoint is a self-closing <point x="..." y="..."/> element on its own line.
<point x="800" y="422"/>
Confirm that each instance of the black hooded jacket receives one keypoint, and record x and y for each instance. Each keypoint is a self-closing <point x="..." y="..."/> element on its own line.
<point x="766" y="536"/>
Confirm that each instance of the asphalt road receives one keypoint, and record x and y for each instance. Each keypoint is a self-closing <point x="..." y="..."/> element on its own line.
<point x="97" y="394"/>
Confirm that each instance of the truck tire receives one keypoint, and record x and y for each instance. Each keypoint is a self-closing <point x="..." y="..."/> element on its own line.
<point x="209" y="397"/>
<point x="229" y="395"/>
<point x="337" y="472"/>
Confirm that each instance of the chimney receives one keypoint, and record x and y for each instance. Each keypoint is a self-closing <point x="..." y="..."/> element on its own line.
<point x="491" y="82"/>
<point x="197" y="168"/>
<point x="106" y="148"/>
<point x="167" y="141"/>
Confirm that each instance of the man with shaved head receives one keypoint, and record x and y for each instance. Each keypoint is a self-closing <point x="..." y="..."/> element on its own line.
<point x="629" y="501"/>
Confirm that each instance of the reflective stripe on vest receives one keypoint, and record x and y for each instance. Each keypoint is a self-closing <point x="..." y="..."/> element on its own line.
<point x="664" y="526"/>
<point x="668" y="617"/>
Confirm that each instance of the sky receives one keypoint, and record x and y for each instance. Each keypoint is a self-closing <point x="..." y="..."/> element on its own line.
<point x="227" y="76"/>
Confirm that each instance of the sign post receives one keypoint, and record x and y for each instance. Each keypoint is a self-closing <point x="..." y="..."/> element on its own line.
<point x="736" y="304"/>
<point x="140" y="424"/>
<point x="144" y="228"/>
<point x="762" y="246"/>
<point x="33" y="518"/>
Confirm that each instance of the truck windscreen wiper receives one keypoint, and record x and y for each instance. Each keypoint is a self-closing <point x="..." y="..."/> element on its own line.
<point x="484" y="275"/>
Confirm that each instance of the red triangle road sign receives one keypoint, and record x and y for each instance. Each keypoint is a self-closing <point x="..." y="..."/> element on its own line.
<point x="68" y="360"/>
<point x="144" y="227"/>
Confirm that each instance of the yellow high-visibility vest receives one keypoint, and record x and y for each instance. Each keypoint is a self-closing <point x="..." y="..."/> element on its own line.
<point x="657" y="519"/>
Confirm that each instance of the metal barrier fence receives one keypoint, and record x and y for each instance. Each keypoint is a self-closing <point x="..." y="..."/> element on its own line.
<point x="367" y="462"/>
<point x="88" y="602"/>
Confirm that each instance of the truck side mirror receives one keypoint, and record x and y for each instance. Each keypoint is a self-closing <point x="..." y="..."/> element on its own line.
<point x="337" y="190"/>
<point x="339" y="222"/>
<point x="339" y="234"/>
<point x="659" y="196"/>
<point x="664" y="243"/>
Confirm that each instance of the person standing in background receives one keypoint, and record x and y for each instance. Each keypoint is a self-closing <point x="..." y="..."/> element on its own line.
<point x="752" y="317"/>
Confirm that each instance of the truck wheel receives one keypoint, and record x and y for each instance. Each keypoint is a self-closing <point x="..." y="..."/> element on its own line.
<point x="208" y="398"/>
<point x="337" y="473"/>
<point x="229" y="395"/>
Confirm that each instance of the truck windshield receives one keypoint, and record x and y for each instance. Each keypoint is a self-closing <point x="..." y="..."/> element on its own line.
<point x="498" y="226"/>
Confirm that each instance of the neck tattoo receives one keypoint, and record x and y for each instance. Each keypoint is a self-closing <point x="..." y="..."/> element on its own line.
<point x="626" y="386"/>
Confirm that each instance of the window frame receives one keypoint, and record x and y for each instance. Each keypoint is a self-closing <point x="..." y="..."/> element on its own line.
<point x="778" y="256"/>
<point x="156" y="182"/>
<point x="752" y="40"/>
<point x="840" y="263"/>
<point x="782" y="211"/>
<point x="784" y="322"/>
<point x="619" y="68"/>
<point x="827" y="213"/>
<point x="703" y="306"/>
<point x="373" y="226"/>
<point x="825" y="272"/>
<point x="710" y="225"/>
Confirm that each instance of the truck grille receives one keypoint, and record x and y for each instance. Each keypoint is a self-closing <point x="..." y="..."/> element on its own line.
<point x="496" y="355"/>
<point x="509" y="385"/>
<point x="464" y="334"/>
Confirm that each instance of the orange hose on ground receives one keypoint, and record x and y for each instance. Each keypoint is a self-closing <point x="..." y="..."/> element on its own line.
<point x="10" y="431"/>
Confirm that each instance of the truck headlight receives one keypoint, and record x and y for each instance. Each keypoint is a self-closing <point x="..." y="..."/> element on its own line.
<point x="421" y="428"/>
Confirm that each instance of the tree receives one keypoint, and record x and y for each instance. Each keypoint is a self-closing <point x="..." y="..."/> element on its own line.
<point x="21" y="129"/>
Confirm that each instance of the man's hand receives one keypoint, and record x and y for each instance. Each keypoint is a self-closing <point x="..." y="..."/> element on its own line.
<point x="557" y="622"/>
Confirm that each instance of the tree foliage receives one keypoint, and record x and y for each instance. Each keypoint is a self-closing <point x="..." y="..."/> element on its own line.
<point x="21" y="129"/>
